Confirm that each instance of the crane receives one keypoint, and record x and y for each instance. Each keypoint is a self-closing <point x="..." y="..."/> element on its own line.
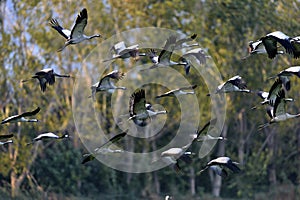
<point x="219" y="164"/>
<point x="234" y="84"/>
<point x="45" y="76"/>
<point x="76" y="35"/>
<point x="105" y="148"/>
<point x="139" y="111"/>
<point x="270" y="43"/>
<point x="123" y="52"/>
<point x="172" y="155"/>
<point x="48" y="135"/>
<point x="178" y="91"/>
<point x="285" y="74"/>
<point x="22" y="117"/>
<point x="278" y="112"/>
<point x="106" y="83"/>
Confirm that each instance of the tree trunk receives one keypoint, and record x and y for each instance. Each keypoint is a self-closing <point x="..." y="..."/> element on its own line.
<point x="192" y="181"/>
<point x="217" y="180"/>
<point x="298" y="155"/>
<point x="273" y="151"/>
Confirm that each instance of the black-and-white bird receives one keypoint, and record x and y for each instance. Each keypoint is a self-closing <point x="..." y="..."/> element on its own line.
<point x="270" y="42"/>
<point x="6" y="136"/>
<point x="48" y="135"/>
<point x="203" y="133"/>
<point x="179" y="91"/>
<point x="172" y="155"/>
<point x="263" y="95"/>
<point x="278" y="112"/>
<point x="295" y="41"/>
<point x="22" y="117"/>
<point x="164" y="58"/>
<point x="106" y="83"/>
<point x="219" y="164"/>
<point x="198" y="53"/>
<point x="168" y="197"/>
<point x="123" y="52"/>
<point x="285" y="74"/>
<point x="183" y="43"/>
<point x="46" y="76"/>
<point x="5" y="142"/>
<point x="76" y="35"/>
<point x="104" y="148"/>
<point x="258" y="47"/>
<point x="234" y="84"/>
<point x="273" y="92"/>
<point x="139" y="110"/>
<point x="153" y="56"/>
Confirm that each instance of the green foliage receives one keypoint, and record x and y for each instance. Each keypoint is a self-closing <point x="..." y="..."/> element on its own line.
<point x="224" y="27"/>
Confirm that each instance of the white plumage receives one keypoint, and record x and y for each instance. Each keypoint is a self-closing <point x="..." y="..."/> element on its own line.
<point x="76" y="35"/>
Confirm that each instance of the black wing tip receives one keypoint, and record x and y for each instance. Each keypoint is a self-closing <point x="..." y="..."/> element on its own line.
<point x="194" y="36"/>
<point x="37" y="110"/>
<point x="139" y="94"/>
<point x="84" y="12"/>
<point x="6" y="136"/>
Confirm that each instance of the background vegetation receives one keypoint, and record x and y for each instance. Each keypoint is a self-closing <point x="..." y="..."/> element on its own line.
<point x="270" y="159"/>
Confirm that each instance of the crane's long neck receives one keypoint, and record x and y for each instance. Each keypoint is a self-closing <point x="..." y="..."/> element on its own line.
<point x="290" y="116"/>
<point x="32" y="120"/>
<point x="153" y="113"/>
<point x="92" y="36"/>
<point x="62" y="75"/>
<point x="121" y="88"/>
<point x="188" y="92"/>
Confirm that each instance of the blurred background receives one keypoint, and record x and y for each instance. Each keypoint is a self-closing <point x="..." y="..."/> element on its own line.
<point x="269" y="159"/>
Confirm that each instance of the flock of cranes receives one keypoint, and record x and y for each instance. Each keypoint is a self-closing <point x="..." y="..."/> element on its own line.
<point x="140" y="111"/>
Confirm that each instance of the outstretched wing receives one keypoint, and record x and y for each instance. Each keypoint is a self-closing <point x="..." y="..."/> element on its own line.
<point x="296" y="46"/>
<point x="116" y="75"/>
<point x="64" y="32"/>
<point x="180" y="42"/>
<point x="188" y="87"/>
<point x="238" y="82"/>
<point x="198" y="53"/>
<point x="87" y="158"/>
<point x="232" y="166"/>
<point x="137" y="103"/>
<point x="270" y="43"/>
<point x="28" y="114"/>
<point x="6" y="136"/>
<point x="279" y="105"/>
<point x="166" y="53"/>
<point x="276" y="87"/>
<point x="81" y="22"/>
<point x="205" y="127"/>
<point x="112" y="140"/>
